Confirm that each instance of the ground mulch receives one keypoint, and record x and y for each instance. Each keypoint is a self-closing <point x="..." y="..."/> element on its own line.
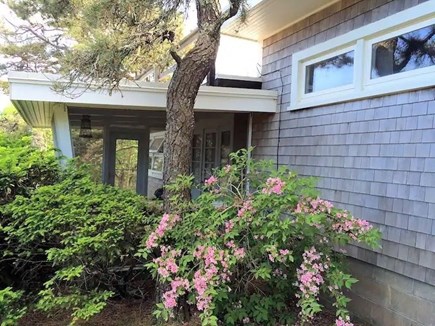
<point x="133" y="313"/>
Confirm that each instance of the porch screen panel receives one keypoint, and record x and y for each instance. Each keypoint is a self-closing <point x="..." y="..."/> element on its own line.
<point x="126" y="163"/>
<point x="225" y="147"/>
<point x="209" y="153"/>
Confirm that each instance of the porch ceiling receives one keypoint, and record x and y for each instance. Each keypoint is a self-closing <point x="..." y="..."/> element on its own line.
<point x="35" y="99"/>
<point x="118" y="118"/>
<point x="270" y="16"/>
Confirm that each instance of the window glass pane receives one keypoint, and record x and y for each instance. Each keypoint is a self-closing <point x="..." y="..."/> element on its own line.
<point x="405" y="52"/>
<point x="156" y="144"/>
<point x="210" y="139"/>
<point x="158" y="163"/>
<point x="196" y="154"/>
<point x="210" y="155"/>
<point x="225" y="147"/>
<point x="330" y="73"/>
<point x="197" y="141"/>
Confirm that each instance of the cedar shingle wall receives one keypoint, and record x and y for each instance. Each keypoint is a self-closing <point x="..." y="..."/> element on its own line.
<point x="375" y="157"/>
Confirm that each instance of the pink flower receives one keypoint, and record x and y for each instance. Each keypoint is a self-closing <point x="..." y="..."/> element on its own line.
<point x="229" y="226"/>
<point x="178" y="286"/>
<point x="309" y="274"/>
<point x="246" y="208"/>
<point x="341" y="322"/>
<point x="152" y="241"/>
<point x="273" y="186"/>
<point x="284" y="252"/>
<point x="239" y="253"/>
<point x="210" y="181"/>
<point x="203" y="302"/>
<point x="169" y="299"/>
<point x="166" y="223"/>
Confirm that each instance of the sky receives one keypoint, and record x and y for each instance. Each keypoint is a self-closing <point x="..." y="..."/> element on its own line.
<point x="4" y="101"/>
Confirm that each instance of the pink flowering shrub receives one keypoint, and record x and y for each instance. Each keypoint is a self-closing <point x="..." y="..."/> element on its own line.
<point x="254" y="248"/>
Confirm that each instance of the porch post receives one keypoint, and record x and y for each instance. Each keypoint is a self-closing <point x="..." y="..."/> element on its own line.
<point x="109" y="148"/>
<point x="249" y="145"/>
<point x="143" y="162"/>
<point x="61" y="130"/>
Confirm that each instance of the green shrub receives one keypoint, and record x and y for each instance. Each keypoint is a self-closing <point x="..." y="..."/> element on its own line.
<point x="256" y="244"/>
<point x="24" y="167"/>
<point x="79" y="238"/>
<point x="10" y="309"/>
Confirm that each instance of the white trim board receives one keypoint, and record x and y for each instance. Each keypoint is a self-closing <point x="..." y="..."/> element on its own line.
<point x="36" y="89"/>
<point x="361" y="40"/>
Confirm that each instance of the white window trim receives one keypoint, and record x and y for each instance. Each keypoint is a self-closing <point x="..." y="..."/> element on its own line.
<point x="329" y="91"/>
<point x="155" y="173"/>
<point x="361" y="41"/>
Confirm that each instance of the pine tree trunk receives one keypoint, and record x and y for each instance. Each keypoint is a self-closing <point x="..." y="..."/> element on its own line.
<point x="183" y="89"/>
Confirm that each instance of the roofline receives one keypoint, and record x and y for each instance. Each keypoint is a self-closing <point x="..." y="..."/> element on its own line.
<point x="35" y="99"/>
<point x="49" y="79"/>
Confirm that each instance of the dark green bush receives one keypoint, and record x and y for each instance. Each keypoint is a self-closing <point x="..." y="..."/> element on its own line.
<point x="10" y="309"/>
<point x="82" y="236"/>
<point x="24" y="167"/>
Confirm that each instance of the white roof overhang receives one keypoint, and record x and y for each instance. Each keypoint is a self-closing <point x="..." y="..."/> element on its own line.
<point x="34" y="97"/>
<point x="268" y="17"/>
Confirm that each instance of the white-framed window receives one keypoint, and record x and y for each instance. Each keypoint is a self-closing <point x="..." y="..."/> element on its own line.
<point x="155" y="168"/>
<point x="391" y="55"/>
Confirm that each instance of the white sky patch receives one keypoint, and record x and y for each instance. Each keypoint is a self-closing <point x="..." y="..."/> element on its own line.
<point x="4" y="102"/>
<point x="190" y="20"/>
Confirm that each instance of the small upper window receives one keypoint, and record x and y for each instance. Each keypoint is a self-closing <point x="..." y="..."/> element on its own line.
<point x="156" y="145"/>
<point x="330" y="73"/>
<point x="409" y="51"/>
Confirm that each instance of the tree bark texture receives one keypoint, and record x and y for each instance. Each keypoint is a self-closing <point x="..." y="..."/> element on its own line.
<point x="189" y="74"/>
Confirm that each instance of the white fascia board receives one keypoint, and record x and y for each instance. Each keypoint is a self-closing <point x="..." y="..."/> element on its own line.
<point x="141" y="96"/>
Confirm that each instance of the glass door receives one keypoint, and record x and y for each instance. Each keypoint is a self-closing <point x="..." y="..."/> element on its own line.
<point x="126" y="163"/>
<point x="126" y="160"/>
<point x="210" y="149"/>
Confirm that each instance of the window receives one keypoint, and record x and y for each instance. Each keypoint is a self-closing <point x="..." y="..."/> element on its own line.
<point x="329" y="73"/>
<point x="391" y="55"/>
<point x="405" y="52"/>
<point x="155" y="163"/>
<point x="211" y="148"/>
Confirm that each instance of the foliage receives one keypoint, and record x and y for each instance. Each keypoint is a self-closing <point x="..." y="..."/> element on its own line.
<point x="89" y="151"/>
<point x="14" y="127"/>
<point x="79" y="238"/>
<point x="262" y="237"/>
<point x="23" y="167"/>
<point x="98" y="41"/>
<point x="10" y="309"/>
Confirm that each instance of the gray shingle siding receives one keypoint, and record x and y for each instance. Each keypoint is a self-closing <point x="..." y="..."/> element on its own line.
<point x="375" y="157"/>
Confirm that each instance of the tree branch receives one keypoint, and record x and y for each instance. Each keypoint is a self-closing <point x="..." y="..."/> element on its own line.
<point x="175" y="56"/>
<point x="230" y="13"/>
